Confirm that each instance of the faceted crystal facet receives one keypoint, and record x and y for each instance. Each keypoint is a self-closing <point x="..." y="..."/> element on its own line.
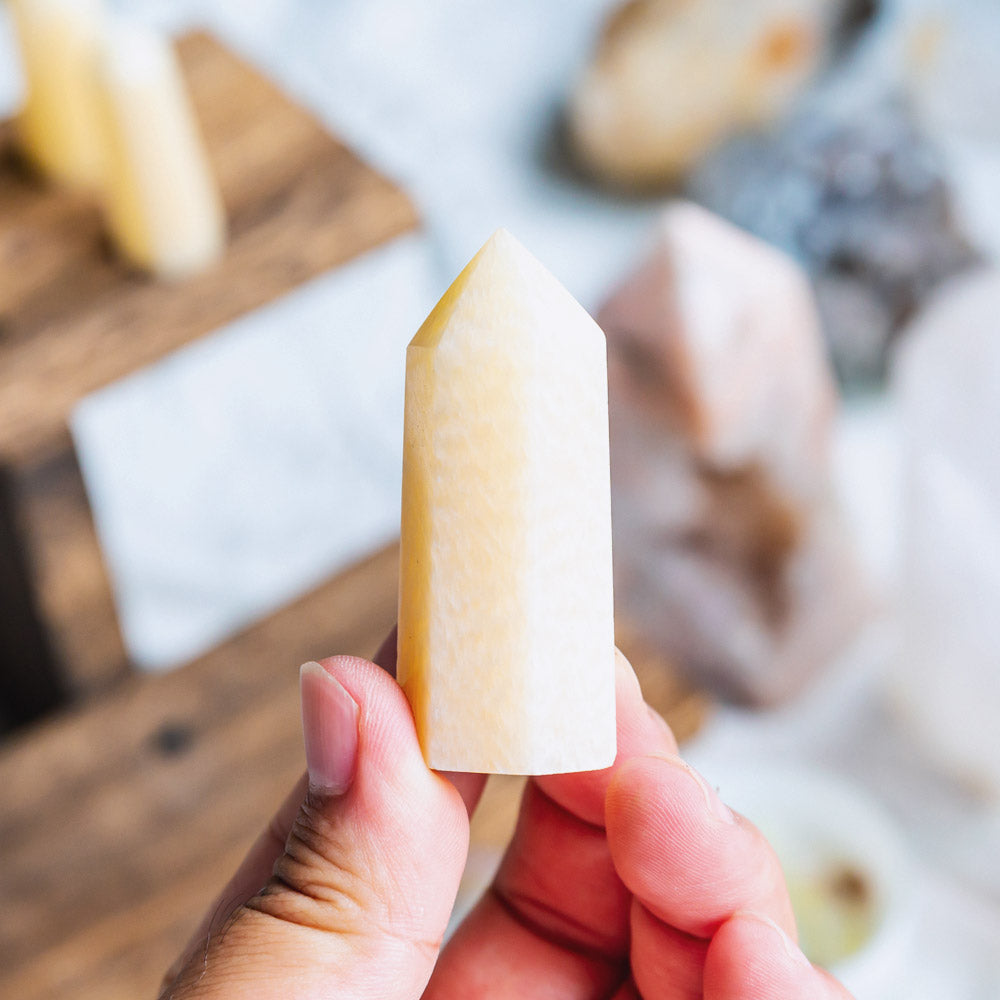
<point x="506" y="633"/>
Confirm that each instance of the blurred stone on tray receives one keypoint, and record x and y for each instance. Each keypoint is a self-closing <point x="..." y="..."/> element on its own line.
<point x="947" y="385"/>
<point x="669" y="80"/>
<point x="862" y="199"/>
<point x="730" y="554"/>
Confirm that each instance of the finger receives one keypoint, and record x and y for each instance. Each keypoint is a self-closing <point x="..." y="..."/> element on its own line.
<point x="641" y="730"/>
<point x="256" y="868"/>
<point x="558" y="873"/>
<point x="627" y="991"/>
<point x="556" y="920"/>
<point x="684" y="854"/>
<point x="494" y="956"/>
<point x="365" y="884"/>
<point x="667" y="964"/>
<point x="470" y="786"/>
<point x="752" y="958"/>
<point x="558" y="879"/>
<point x="249" y="879"/>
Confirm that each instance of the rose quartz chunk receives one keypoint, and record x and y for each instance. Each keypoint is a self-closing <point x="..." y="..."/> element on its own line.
<point x="730" y="553"/>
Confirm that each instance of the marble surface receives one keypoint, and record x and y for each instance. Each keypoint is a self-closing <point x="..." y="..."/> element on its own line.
<point x="244" y="468"/>
<point x="251" y="465"/>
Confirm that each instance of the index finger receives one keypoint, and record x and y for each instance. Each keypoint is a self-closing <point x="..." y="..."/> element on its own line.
<point x="686" y="857"/>
<point x="583" y="794"/>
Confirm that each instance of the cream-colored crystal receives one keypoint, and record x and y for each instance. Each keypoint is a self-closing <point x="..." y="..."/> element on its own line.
<point x="163" y="208"/>
<point x="670" y="79"/>
<point x="506" y="632"/>
<point x="57" y="127"/>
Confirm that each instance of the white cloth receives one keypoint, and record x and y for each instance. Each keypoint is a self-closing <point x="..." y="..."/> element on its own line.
<point x="249" y="466"/>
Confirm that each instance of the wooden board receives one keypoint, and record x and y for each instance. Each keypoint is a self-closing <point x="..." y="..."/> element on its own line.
<point x="121" y="819"/>
<point x="73" y="318"/>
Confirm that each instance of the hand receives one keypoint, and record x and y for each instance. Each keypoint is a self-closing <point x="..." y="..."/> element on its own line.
<point x="635" y="881"/>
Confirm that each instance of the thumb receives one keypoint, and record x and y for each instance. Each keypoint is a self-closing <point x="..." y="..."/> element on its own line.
<point x="359" y="900"/>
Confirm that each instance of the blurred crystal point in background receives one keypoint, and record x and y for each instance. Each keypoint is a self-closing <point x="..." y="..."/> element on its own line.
<point x="668" y="80"/>
<point x="731" y="556"/>
<point x="948" y="672"/>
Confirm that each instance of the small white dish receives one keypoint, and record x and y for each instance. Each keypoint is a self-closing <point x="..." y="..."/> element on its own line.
<point x="853" y="881"/>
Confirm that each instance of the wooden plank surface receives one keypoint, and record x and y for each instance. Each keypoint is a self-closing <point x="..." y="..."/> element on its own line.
<point x="73" y="318"/>
<point x="120" y="820"/>
<point x="69" y="583"/>
<point x="28" y="684"/>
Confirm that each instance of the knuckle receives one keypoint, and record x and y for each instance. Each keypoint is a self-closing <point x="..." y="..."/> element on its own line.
<point x="319" y="880"/>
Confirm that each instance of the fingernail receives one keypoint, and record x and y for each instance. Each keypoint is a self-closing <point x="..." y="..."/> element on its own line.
<point x="792" y="950"/>
<point x="716" y="807"/>
<point x="330" y="729"/>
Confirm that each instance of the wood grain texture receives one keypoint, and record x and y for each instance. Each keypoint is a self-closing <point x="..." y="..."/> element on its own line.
<point x="69" y="583"/>
<point x="123" y="818"/>
<point x="73" y="318"/>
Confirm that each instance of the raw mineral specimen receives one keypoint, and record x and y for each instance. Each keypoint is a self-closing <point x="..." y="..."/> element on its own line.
<point x="669" y="80"/>
<point x="730" y="553"/>
<point x="862" y="200"/>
